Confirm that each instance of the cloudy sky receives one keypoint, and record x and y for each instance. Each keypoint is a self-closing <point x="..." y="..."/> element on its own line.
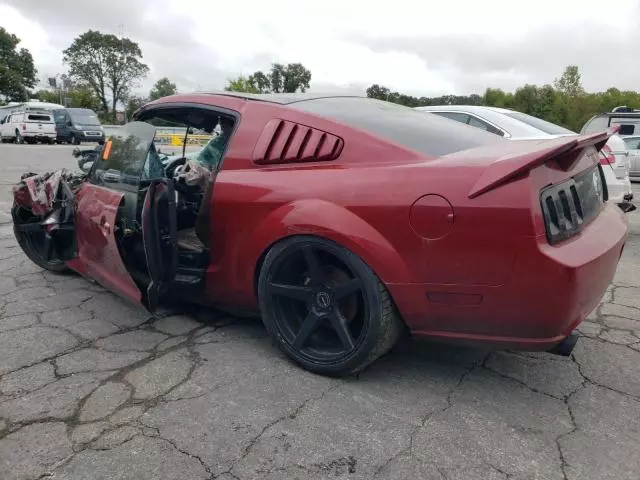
<point x="420" y="48"/>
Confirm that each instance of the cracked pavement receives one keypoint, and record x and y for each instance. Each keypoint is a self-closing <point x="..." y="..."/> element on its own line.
<point x="91" y="388"/>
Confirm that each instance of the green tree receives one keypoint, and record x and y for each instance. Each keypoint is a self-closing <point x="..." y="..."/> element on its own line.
<point x="288" y="78"/>
<point x="82" y="96"/>
<point x="163" y="88"/>
<point x="241" y="84"/>
<point x="107" y="64"/>
<point x="17" y="71"/>
<point x="379" y="92"/>
<point x="570" y="83"/>
<point x="133" y="104"/>
<point x="260" y="81"/>
<point x="48" y="96"/>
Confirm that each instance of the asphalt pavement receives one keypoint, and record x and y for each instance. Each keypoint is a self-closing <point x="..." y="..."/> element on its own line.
<point x="91" y="388"/>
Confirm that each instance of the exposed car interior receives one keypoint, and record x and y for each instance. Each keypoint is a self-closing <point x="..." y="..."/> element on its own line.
<point x="168" y="195"/>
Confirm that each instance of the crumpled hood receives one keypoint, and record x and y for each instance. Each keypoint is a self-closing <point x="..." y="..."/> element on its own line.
<point x="38" y="192"/>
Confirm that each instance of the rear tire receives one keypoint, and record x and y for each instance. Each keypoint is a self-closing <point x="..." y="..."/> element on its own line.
<point x="335" y="322"/>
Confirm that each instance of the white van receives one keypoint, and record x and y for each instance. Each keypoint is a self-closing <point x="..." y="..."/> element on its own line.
<point x="30" y="127"/>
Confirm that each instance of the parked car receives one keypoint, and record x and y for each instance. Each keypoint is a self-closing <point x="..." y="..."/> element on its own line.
<point x="30" y="127"/>
<point x="77" y="125"/>
<point x="342" y="221"/>
<point x="520" y="126"/>
<point x="633" y="145"/>
<point x="627" y="118"/>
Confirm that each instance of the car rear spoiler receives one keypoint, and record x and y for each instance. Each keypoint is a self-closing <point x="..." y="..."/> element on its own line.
<point x="517" y="163"/>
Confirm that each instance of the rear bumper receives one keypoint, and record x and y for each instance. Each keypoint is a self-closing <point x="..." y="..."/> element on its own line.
<point x="550" y="290"/>
<point x="619" y="190"/>
<point x="38" y="135"/>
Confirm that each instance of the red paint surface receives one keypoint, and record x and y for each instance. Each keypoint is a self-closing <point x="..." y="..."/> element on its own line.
<point x="98" y="255"/>
<point x="531" y="294"/>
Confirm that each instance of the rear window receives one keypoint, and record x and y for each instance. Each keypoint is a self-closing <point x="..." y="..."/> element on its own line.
<point x="420" y="131"/>
<point x="39" y="118"/>
<point x="542" y="125"/>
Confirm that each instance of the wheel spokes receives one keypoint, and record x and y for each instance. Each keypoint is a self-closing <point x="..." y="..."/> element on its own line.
<point x="291" y="291"/>
<point x="30" y="227"/>
<point x="342" y="290"/>
<point x="309" y="325"/>
<point x="48" y="247"/>
<point x="341" y="327"/>
<point x="315" y="272"/>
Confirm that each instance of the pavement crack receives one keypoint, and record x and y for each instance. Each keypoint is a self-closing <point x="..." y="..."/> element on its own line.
<point x="291" y="415"/>
<point x="184" y="452"/>
<point x="519" y="382"/>
<point x="598" y="384"/>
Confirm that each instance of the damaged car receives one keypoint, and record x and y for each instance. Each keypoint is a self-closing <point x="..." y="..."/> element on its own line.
<point x="341" y="221"/>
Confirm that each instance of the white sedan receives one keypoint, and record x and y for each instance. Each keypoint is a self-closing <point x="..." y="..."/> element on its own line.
<point x="520" y="126"/>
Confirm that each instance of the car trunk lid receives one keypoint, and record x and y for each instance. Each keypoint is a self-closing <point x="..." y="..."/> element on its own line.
<point x="524" y="156"/>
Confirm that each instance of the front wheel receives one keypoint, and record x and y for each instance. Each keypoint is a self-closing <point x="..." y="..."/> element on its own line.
<point x="36" y="242"/>
<point x="75" y="140"/>
<point x="324" y="307"/>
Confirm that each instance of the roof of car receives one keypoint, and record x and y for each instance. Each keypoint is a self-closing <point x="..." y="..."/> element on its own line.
<point x="281" y="98"/>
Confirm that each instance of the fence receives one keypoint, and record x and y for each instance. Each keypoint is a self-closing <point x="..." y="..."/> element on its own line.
<point x="166" y="136"/>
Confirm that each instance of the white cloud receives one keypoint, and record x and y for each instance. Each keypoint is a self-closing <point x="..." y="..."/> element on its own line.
<point x="424" y="48"/>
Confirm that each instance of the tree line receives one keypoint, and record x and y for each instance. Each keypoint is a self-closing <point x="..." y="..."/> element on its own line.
<point x="565" y="102"/>
<point x="104" y="70"/>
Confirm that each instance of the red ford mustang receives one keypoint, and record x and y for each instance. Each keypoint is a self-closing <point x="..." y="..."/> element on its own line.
<point x="341" y="220"/>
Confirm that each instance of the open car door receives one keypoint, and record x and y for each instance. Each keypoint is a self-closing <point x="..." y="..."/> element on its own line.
<point x="159" y="236"/>
<point x="107" y="215"/>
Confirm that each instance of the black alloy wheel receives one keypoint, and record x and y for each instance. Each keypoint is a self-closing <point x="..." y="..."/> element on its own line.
<point x="36" y="241"/>
<point x="324" y="306"/>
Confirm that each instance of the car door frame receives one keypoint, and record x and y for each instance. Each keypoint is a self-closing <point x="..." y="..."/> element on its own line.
<point x="98" y="254"/>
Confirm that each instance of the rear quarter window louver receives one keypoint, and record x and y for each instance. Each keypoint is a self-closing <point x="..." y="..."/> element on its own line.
<point x="283" y="141"/>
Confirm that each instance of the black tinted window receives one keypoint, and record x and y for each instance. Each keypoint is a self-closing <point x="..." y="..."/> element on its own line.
<point x="457" y="116"/>
<point x="39" y="118"/>
<point x="627" y="129"/>
<point x="420" y="131"/>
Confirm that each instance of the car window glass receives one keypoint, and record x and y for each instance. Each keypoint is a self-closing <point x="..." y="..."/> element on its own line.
<point x="417" y="130"/>
<point x="627" y="129"/>
<point x="153" y="168"/>
<point x="457" y="116"/>
<point x="476" y="122"/>
<point x="632" y="143"/>
<point x="123" y="156"/>
<point x="39" y="118"/>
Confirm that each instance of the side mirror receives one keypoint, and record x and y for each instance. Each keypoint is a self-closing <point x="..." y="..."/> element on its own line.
<point x="69" y="123"/>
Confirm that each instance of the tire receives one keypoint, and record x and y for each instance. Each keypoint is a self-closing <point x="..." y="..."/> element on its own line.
<point x="75" y="140"/>
<point x="27" y="246"/>
<point x="326" y="307"/>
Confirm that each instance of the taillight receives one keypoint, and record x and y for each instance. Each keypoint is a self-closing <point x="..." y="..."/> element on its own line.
<point x="24" y="127"/>
<point x="606" y="156"/>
